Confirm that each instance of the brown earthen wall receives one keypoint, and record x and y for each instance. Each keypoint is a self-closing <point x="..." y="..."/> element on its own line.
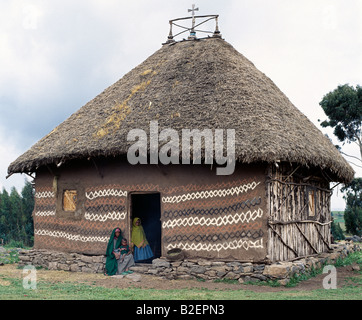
<point x="208" y="216"/>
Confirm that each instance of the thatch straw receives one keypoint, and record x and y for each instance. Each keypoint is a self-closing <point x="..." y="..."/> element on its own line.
<point x="194" y="85"/>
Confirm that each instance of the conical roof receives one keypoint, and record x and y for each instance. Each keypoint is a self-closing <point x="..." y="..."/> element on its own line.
<point x="195" y="84"/>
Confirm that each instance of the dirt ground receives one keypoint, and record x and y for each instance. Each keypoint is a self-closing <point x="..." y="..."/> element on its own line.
<point x="153" y="282"/>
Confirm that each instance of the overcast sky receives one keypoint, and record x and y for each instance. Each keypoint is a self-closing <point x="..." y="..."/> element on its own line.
<point x="56" y="55"/>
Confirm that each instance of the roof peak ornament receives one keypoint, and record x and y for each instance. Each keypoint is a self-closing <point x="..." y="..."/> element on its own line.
<point x="205" y="18"/>
<point x="192" y="31"/>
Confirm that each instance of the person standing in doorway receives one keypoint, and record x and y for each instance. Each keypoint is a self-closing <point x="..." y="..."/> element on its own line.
<point x="141" y="248"/>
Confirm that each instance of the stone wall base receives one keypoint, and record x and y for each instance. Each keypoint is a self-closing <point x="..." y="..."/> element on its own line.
<point x="54" y="260"/>
<point x="190" y="268"/>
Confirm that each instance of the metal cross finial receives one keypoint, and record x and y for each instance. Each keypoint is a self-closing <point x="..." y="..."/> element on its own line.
<point x="203" y="18"/>
<point x="193" y="10"/>
<point x="193" y="17"/>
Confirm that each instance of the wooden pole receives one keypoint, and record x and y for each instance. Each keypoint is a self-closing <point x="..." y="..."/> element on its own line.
<point x="306" y="238"/>
<point x="281" y="239"/>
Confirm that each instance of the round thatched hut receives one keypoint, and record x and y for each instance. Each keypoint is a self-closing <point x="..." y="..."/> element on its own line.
<point x="275" y="206"/>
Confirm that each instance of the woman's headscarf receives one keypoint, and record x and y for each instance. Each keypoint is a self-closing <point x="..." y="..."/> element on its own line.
<point x="138" y="234"/>
<point x="111" y="261"/>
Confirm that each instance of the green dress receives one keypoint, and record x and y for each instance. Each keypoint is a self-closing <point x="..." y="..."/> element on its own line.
<point x="111" y="261"/>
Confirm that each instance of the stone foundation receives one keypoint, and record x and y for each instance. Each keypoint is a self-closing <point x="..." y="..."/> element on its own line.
<point x="191" y="268"/>
<point x="54" y="260"/>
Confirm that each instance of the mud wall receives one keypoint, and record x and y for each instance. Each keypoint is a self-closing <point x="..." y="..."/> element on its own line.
<point x="208" y="216"/>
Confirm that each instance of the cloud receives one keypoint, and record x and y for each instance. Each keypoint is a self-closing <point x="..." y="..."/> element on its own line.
<point x="31" y="15"/>
<point x="28" y="79"/>
<point x="9" y="153"/>
<point x="56" y="55"/>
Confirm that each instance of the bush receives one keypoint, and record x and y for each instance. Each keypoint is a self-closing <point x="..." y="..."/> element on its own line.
<point x="353" y="212"/>
<point x="353" y="220"/>
<point x="337" y="231"/>
<point x="15" y="244"/>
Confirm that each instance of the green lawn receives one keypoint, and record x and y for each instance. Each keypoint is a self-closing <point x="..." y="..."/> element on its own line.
<point x="351" y="290"/>
<point x="11" y="288"/>
<point x="70" y="291"/>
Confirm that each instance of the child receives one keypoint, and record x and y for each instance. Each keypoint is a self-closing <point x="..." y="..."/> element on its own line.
<point x="126" y="259"/>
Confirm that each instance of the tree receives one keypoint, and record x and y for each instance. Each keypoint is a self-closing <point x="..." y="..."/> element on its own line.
<point x="343" y="106"/>
<point x="27" y="195"/>
<point x="2" y="222"/>
<point x="16" y="217"/>
<point x="337" y="231"/>
<point x="4" y="215"/>
<point x="16" y="221"/>
<point x="353" y="212"/>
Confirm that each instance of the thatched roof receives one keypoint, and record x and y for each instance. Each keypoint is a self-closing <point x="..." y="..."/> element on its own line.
<point x="195" y="85"/>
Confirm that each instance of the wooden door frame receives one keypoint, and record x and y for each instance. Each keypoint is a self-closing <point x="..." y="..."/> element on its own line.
<point x="129" y="213"/>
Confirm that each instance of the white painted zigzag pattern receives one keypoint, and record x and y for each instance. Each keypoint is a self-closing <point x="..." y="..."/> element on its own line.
<point x="45" y="194"/>
<point x="216" y="221"/>
<point x="69" y="236"/>
<point x="105" y="217"/>
<point x="45" y="213"/>
<point x="211" y="193"/>
<point x="234" y="245"/>
<point x="105" y="193"/>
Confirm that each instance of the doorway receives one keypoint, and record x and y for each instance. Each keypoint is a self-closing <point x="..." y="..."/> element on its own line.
<point x="147" y="207"/>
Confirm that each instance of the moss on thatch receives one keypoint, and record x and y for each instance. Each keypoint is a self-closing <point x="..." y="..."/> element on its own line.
<point x="194" y="85"/>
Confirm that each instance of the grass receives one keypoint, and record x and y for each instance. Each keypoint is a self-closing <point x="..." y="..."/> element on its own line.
<point x="51" y="288"/>
<point x="353" y="258"/>
<point x="296" y="279"/>
<point x="12" y="289"/>
<point x="338" y="217"/>
<point x="11" y="258"/>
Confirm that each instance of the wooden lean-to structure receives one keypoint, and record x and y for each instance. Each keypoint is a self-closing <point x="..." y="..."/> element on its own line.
<point x="299" y="212"/>
<point x="275" y="207"/>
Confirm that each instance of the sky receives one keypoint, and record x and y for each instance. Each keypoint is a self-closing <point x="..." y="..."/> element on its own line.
<point x="55" y="56"/>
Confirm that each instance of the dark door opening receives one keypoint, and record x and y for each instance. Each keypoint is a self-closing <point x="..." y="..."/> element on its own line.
<point x="147" y="207"/>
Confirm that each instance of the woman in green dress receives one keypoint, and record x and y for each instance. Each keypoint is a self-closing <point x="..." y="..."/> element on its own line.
<point x="113" y="252"/>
